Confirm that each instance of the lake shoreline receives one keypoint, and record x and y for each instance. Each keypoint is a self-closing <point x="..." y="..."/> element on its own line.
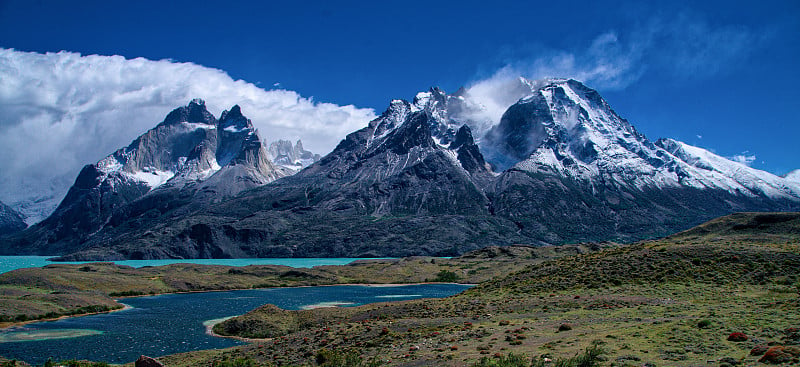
<point x="5" y="326"/>
<point x="210" y="331"/>
<point x="54" y="289"/>
<point x="210" y="326"/>
<point x="183" y="323"/>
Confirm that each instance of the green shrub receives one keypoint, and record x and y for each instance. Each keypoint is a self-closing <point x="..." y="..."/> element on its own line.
<point x="512" y="360"/>
<point x="703" y="324"/>
<point x="589" y="358"/>
<point x="446" y="276"/>
<point x="334" y="358"/>
<point x="238" y="362"/>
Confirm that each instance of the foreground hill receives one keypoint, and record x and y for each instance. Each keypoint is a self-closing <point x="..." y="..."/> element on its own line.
<point x="670" y="302"/>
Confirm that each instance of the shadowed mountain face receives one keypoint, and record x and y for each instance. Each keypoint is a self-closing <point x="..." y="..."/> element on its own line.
<point x="560" y="166"/>
<point x="10" y="220"/>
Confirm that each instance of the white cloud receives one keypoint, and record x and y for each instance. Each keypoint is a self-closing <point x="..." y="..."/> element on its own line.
<point x="492" y="96"/>
<point x="63" y="110"/>
<point x="744" y="158"/>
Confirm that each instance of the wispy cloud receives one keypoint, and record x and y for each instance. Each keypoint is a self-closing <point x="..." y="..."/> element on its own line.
<point x="682" y="47"/>
<point x="63" y="110"/>
<point x="744" y="158"/>
<point x="608" y="62"/>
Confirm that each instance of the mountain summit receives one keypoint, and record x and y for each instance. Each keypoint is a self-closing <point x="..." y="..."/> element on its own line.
<point x="572" y="165"/>
<point x="427" y="177"/>
<point x="567" y="129"/>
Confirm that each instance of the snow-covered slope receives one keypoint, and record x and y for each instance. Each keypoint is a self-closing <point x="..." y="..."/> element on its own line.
<point x="704" y="169"/>
<point x="190" y="145"/>
<point x="36" y="201"/>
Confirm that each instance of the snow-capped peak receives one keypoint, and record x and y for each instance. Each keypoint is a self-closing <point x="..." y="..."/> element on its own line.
<point x="568" y="129"/>
<point x="189" y="145"/>
<point x="175" y="147"/>
<point x="567" y="117"/>
<point x="234" y="121"/>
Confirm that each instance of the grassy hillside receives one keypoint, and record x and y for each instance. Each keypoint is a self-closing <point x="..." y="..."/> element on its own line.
<point x="674" y="301"/>
<point x="670" y="302"/>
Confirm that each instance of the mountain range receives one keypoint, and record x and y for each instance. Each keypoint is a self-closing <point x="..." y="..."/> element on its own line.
<point x="427" y="177"/>
<point x="291" y="156"/>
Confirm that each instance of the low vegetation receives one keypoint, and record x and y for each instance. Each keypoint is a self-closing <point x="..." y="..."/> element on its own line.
<point x="675" y="302"/>
<point x="71" y="289"/>
<point x="717" y="295"/>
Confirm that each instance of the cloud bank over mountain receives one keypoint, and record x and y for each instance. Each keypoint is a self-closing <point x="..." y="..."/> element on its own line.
<point x="63" y="110"/>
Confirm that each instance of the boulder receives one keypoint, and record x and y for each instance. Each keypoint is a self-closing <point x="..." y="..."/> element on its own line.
<point x="780" y="354"/>
<point x="145" y="361"/>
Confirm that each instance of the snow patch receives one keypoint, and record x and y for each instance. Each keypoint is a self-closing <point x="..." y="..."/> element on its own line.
<point x="234" y="129"/>
<point x="109" y="164"/>
<point x="198" y="125"/>
<point x="152" y="177"/>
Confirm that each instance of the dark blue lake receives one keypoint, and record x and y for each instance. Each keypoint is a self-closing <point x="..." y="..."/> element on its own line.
<point x="174" y="323"/>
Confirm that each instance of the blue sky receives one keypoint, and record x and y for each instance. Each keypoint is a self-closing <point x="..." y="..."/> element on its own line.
<point x="717" y="74"/>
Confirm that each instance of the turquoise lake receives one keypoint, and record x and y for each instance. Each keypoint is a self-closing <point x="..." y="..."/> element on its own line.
<point x="8" y="263"/>
<point x="174" y="323"/>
